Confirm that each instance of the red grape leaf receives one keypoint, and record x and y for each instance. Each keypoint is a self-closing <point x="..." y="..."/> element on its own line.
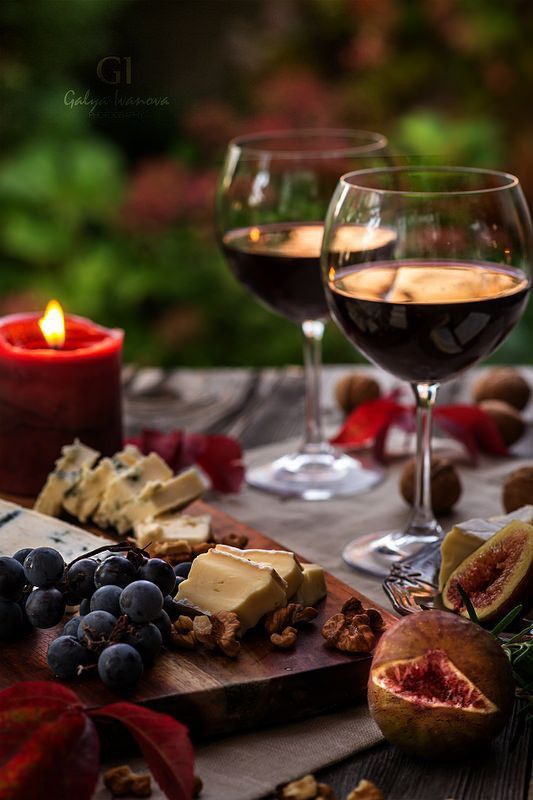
<point x="42" y="693"/>
<point x="165" y="745"/>
<point x="473" y="427"/>
<point x="58" y="758"/>
<point x="369" y="420"/>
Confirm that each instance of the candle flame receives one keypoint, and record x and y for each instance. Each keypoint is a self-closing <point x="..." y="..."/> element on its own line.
<point x="255" y="234"/>
<point x="52" y="325"/>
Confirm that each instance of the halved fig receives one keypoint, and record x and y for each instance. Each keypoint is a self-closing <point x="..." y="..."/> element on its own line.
<point x="439" y="685"/>
<point x="497" y="576"/>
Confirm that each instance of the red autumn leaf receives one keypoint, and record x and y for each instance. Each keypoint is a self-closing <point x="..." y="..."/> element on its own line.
<point x="473" y="427"/>
<point x="165" y="745"/>
<point x="220" y="457"/>
<point x="222" y="460"/>
<point x="368" y="420"/>
<point x="58" y="758"/>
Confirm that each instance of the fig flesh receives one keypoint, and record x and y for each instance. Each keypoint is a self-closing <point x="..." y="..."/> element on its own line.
<point x="497" y="576"/>
<point x="440" y="686"/>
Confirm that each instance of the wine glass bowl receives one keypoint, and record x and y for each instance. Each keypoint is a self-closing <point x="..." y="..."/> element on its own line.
<point x="272" y="197"/>
<point x="453" y="285"/>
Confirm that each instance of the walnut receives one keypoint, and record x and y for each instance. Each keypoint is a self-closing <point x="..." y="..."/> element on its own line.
<point x="239" y="540"/>
<point x="352" y="606"/>
<point x="285" y="639"/>
<point x="502" y="383"/>
<point x="365" y="790"/>
<point x="289" y="616"/>
<point x="518" y="489"/>
<point x="375" y="620"/>
<point x="219" y="630"/>
<point x="304" y="789"/>
<point x="445" y="484"/>
<point x="346" y="634"/>
<point x="182" y="634"/>
<point x="506" y="418"/>
<point x="354" y="389"/>
<point x="325" y="792"/>
<point x="121" y="781"/>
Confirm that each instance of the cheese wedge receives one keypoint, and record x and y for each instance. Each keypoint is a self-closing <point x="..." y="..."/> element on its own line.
<point x="20" y="527"/>
<point x="219" y="581"/>
<point x="82" y="499"/>
<point x="158" y="497"/>
<point x="128" y="486"/>
<point x="173" y="528"/>
<point x="467" y="536"/>
<point x="67" y="471"/>
<point x="313" y="586"/>
<point x="283" y="561"/>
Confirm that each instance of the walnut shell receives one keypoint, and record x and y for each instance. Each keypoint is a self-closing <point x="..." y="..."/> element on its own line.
<point x="518" y="489"/>
<point x="445" y="484"/>
<point x="502" y="383"/>
<point x="356" y="388"/>
<point x="506" y="418"/>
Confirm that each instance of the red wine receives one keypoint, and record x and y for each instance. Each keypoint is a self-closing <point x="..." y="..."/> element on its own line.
<point x="427" y="321"/>
<point x="280" y="263"/>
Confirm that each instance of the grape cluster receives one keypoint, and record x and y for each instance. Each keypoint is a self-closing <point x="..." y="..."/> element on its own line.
<point x="126" y="610"/>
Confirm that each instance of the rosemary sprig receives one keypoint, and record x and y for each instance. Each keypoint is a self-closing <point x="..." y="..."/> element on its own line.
<point x="518" y="649"/>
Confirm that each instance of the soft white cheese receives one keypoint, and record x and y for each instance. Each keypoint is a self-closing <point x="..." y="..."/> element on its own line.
<point x="313" y="587"/>
<point x="283" y="561"/>
<point x="219" y="581"/>
<point x="173" y="528"/>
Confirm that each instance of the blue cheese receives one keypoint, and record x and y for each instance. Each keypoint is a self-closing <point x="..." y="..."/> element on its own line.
<point x="127" y="487"/>
<point x="67" y="471"/>
<point x="21" y="527"/>
<point x="159" y="497"/>
<point x="84" y="497"/>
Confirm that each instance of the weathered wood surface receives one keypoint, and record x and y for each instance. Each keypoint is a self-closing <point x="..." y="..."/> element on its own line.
<point x="214" y="694"/>
<point x="264" y="406"/>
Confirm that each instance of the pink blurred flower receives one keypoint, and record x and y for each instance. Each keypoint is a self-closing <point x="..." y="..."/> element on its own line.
<point x="211" y="124"/>
<point x="298" y="97"/>
<point x="164" y="191"/>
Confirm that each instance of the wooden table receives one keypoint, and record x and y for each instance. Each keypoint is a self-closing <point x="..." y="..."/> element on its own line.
<point x="265" y="406"/>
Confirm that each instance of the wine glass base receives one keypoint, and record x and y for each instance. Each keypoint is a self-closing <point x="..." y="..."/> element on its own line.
<point x="375" y="553"/>
<point x="317" y="476"/>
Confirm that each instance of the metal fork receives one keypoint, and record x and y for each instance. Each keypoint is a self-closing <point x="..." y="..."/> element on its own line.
<point x="409" y="584"/>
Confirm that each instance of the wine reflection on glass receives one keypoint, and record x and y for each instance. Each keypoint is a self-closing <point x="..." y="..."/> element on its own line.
<point x="454" y="286"/>
<point x="272" y="197"/>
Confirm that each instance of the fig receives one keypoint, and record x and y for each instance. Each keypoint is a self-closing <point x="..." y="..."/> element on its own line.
<point x="440" y="686"/>
<point x="497" y="576"/>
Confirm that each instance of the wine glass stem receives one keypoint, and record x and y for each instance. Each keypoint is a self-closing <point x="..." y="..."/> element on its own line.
<point x="422" y="519"/>
<point x="313" y="331"/>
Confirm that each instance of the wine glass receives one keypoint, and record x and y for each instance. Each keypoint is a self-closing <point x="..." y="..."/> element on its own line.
<point x="271" y="202"/>
<point x="454" y="285"/>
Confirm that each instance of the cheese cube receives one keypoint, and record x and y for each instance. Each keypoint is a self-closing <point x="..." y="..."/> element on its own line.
<point x="313" y="587"/>
<point x="174" y="527"/>
<point x="284" y="562"/>
<point x="82" y="499"/>
<point x="128" y="485"/>
<point x="67" y="471"/>
<point x="219" y="581"/>
<point x="157" y="497"/>
<point x="467" y="536"/>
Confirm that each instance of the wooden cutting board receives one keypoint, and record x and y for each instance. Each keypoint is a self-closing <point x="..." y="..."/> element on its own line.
<point x="213" y="694"/>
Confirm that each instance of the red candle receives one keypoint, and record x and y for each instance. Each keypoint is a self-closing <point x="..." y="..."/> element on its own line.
<point x="52" y="393"/>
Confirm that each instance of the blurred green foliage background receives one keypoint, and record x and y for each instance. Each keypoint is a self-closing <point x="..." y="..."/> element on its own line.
<point x="109" y="206"/>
